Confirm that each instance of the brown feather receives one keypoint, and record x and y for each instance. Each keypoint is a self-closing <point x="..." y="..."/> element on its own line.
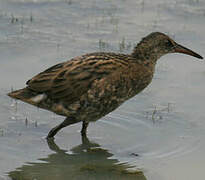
<point x="90" y="86"/>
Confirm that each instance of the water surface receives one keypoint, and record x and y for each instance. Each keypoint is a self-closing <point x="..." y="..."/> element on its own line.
<point x="159" y="134"/>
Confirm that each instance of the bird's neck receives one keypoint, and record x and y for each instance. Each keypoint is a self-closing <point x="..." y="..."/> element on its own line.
<point x="145" y="54"/>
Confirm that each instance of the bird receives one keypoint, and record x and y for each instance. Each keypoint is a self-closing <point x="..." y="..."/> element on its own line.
<point x="88" y="87"/>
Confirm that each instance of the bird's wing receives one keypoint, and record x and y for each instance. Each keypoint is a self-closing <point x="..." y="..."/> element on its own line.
<point x="43" y="81"/>
<point x="68" y="81"/>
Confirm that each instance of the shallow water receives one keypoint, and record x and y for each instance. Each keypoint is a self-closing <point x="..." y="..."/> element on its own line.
<point x="159" y="134"/>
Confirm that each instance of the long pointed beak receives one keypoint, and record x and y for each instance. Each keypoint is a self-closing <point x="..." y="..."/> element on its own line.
<point x="181" y="49"/>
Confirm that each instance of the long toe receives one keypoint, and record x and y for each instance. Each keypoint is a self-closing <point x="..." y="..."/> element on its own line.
<point x="50" y="135"/>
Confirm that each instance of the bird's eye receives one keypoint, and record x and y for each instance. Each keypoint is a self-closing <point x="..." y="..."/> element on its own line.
<point x="169" y="43"/>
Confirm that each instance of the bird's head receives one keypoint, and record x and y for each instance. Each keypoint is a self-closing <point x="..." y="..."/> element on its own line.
<point x="158" y="44"/>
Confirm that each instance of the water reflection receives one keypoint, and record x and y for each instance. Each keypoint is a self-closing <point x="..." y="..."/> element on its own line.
<point x="86" y="161"/>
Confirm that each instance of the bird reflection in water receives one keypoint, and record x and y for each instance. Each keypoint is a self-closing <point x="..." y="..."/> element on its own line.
<point x="86" y="161"/>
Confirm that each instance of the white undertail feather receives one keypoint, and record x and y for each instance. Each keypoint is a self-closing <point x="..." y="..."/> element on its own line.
<point x="38" y="98"/>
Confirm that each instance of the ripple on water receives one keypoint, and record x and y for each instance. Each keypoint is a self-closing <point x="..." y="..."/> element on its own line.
<point x="144" y="141"/>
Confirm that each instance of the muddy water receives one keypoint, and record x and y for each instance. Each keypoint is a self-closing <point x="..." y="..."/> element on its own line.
<point x="159" y="134"/>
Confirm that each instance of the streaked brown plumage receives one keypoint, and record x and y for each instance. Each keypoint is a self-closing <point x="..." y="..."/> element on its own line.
<point x="90" y="86"/>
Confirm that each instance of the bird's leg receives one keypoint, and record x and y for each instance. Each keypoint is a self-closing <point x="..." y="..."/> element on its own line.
<point x="68" y="121"/>
<point x="84" y="128"/>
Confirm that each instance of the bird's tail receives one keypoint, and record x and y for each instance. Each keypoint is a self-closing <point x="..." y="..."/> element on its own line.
<point x="25" y="95"/>
<point x="40" y="100"/>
